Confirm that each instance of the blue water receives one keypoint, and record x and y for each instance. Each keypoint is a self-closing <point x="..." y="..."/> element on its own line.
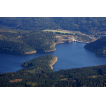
<point x="70" y="55"/>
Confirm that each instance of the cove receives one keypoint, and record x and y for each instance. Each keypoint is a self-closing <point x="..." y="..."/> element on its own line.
<point x="70" y="55"/>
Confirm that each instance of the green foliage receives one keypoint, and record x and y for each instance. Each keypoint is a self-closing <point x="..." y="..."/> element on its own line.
<point x="77" y="34"/>
<point x="39" y="60"/>
<point x="88" y="25"/>
<point x="83" y="38"/>
<point x="31" y="84"/>
<point x="39" y="64"/>
<point x="78" y="77"/>
<point x="15" y="39"/>
<point x="99" y="46"/>
<point x="23" y="41"/>
<point x="20" y="32"/>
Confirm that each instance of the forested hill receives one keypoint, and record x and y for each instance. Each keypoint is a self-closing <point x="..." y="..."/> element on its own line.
<point x="28" y="23"/>
<point x="37" y="72"/>
<point x="26" y="42"/>
<point x="88" y="25"/>
<point x="99" y="46"/>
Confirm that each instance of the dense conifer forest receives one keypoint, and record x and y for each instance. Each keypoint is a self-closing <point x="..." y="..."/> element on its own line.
<point x="22" y="35"/>
<point x="88" y="25"/>
<point x="21" y="42"/>
<point x="99" y="46"/>
<point x="37" y="73"/>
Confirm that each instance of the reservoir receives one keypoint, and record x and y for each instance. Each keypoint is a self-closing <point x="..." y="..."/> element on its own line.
<point x="70" y="55"/>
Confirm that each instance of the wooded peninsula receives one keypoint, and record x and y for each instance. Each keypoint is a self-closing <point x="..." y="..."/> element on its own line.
<point x="98" y="47"/>
<point x="38" y="73"/>
<point x="27" y="35"/>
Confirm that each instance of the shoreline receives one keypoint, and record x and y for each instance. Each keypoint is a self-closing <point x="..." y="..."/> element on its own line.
<point x="100" y="55"/>
<point x="64" y="42"/>
<point x="50" y="50"/>
<point x="34" y="51"/>
<point x="31" y="52"/>
<point x="54" y="61"/>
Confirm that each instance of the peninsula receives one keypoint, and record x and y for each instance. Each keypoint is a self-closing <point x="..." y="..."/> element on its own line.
<point x="39" y="64"/>
<point x="27" y="35"/>
<point x="98" y="47"/>
<point x="53" y="61"/>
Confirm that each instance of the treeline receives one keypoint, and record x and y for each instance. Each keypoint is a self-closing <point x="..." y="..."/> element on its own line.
<point x="39" y="64"/>
<point x="79" y="77"/>
<point x="99" y="46"/>
<point x="83" y="38"/>
<point x="28" y="23"/>
<point x="13" y="47"/>
<point x="23" y="41"/>
<point x="88" y="25"/>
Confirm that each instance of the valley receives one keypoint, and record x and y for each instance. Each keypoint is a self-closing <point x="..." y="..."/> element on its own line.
<point x="31" y="42"/>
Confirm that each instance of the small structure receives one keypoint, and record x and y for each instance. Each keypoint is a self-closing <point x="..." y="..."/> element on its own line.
<point x="74" y="40"/>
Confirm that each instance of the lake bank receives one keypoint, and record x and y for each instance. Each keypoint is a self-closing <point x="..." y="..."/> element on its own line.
<point x="50" y="50"/>
<point x="70" y="55"/>
<point x="53" y="62"/>
<point x="31" y="52"/>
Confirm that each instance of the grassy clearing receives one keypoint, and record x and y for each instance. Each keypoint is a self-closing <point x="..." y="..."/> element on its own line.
<point x="60" y="31"/>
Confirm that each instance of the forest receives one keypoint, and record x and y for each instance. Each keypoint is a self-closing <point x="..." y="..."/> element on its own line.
<point x="20" y="42"/>
<point x="89" y="25"/>
<point x="98" y="46"/>
<point x="37" y="73"/>
<point x="20" y="35"/>
<point x="36" y="65"/>
<point x="15" y="41"/>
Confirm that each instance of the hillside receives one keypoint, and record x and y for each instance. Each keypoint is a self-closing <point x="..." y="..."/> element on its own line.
<point x="16" y="41"/>
<point x="63" y="36"/>
<point x="98" y="46"/>
<point x="26" y="42"/>
<point x="89" y="25"/>
<point x="26" y="35"/>
<point x="39" y="64"/>
<point x="38" y="73"/>
<point x="28" y="23"/>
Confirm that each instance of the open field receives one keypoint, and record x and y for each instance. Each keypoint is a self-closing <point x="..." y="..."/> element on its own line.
<point x="60" y="31"/>
<point x="79" y="36"/>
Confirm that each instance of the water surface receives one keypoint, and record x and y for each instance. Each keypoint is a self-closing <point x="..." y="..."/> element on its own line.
<point x="70" y="55"/>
